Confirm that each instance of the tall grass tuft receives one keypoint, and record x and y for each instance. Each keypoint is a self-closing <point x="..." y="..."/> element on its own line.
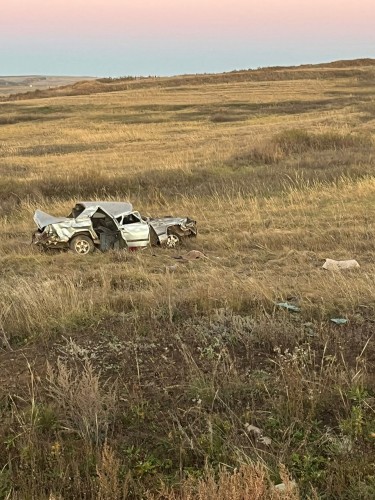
<point x="84" y="404"/>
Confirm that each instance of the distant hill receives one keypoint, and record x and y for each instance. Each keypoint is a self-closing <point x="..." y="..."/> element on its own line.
<point x="68" y="86"/>
<point x="26" y="83"/>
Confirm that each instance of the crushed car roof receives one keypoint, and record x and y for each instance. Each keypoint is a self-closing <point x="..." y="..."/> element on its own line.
<point x="114" y="208"/>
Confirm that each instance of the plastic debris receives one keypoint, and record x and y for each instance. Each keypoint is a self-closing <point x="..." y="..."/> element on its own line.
<point x="339" y="321"/>
<point x="336" y="265"/>
<point x="288" y="306"/>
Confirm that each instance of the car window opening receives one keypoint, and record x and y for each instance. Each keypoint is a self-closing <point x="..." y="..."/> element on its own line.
<point x="130" y="219"/>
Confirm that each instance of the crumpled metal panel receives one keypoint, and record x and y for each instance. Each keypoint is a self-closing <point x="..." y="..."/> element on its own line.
<point x="42" y="219"/>
<point x="60" y="229"/>
<point x="66" y="230"/>
<point x="183" y="226"/>
<point x="161" y="224"/>
<point x="113" y="208"/>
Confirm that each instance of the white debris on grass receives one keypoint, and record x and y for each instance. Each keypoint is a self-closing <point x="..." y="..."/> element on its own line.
<point x="336" y="265"/>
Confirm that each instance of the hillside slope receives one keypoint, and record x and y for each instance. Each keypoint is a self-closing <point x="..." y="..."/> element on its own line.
<point x="31" y="83"/>
<point x="362" y="69"/>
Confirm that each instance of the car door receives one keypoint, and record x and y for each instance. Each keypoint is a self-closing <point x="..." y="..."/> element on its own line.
<point x="134" y="230"/>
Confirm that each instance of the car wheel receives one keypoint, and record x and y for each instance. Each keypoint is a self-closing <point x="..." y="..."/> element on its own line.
<point x="172" y="241"/>
<point x="82" y="245"/>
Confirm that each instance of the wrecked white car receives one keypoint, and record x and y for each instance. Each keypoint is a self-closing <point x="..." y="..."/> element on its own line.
<point x="109" y="225"/>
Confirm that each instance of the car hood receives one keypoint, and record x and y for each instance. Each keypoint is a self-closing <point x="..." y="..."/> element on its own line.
<point x="42" y="219"/>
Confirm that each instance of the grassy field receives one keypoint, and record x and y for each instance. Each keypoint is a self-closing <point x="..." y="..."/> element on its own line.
<point x="131" y="375"/>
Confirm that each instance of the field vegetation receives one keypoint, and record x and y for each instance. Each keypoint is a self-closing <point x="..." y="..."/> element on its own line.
<point x="133" y="375"/>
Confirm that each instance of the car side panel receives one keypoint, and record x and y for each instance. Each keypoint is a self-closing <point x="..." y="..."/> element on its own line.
<point x="65" y="231"/>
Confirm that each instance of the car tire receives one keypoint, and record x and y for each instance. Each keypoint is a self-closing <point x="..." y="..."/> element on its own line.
<point x="173" y="240"/>
<point x="82" y="245"/>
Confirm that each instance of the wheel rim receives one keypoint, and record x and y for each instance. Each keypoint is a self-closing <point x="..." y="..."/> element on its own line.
<point x="82" y="247"/>
<point x="172" y="240"/>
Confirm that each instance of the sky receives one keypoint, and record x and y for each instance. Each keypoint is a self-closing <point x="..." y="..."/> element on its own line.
<point x="171" y="37"/>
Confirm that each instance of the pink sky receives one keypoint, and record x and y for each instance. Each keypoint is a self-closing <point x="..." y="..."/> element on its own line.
<point x="185" y="17"/>
<point x="183" y="22"/>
